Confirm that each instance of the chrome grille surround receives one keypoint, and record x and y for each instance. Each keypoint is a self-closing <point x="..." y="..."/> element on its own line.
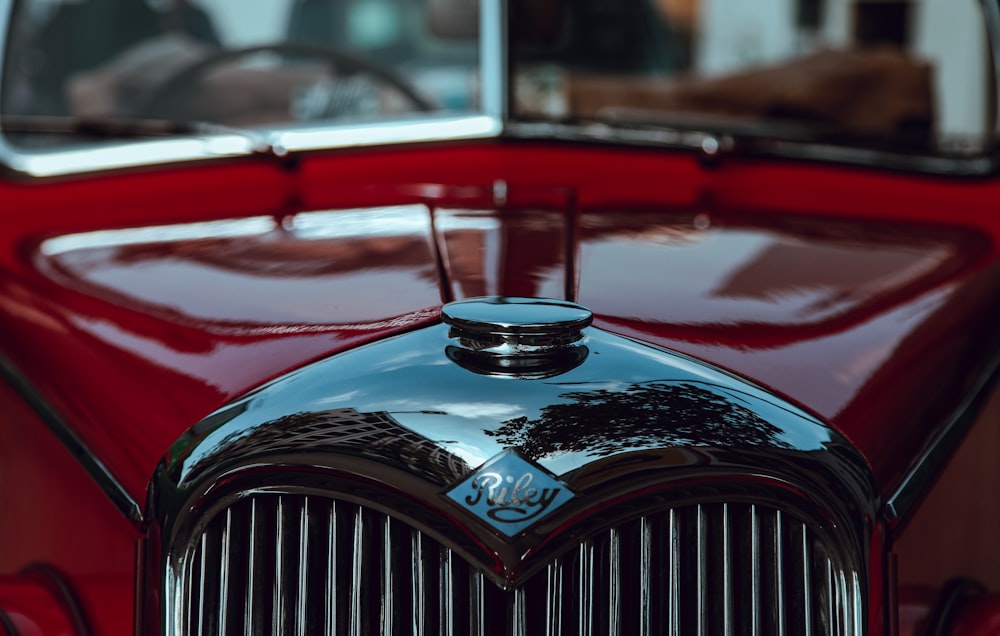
<point x="272" y="561"/>
<point x="380" y="434"/>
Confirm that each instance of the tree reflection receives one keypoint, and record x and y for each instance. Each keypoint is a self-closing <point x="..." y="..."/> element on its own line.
<point x="603" y="422"/>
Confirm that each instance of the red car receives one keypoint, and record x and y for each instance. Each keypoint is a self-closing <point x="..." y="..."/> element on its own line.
<point x="506" y="318"/>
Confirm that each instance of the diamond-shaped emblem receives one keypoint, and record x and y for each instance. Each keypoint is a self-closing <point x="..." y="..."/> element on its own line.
<point x="510" y="494"/>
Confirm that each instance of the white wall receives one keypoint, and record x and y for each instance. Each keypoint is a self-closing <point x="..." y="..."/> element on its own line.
<point x="741" y="33"/>
<point x="950" y="34"/>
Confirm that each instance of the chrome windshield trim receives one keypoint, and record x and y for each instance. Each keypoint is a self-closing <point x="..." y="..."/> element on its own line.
<point x="680" y="139"/>
<point x="991" y="14"/>
<point x="494" y="120"/>
<point x="136" y="154"/>
<point x="452" y="128"/>
<point x="493" y="57"/>
<point x="124" y="154"/>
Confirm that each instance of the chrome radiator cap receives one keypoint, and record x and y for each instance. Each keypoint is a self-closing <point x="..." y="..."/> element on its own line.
<point x="524" y="337"/>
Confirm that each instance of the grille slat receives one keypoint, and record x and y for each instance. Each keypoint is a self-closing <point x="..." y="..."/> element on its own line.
<point x="224" y="572"/>
<point x="755" y="571"/>
<point x="674" y="613"/>
<point x="554" y="598"/>
<point x="388" y="594"/>
<point x="417" y="579"/>
<point x="313" y="564"/>
<point x="278" y="595"/>
<point x="330" y="595"/>
<point x="701" y="589"/>
<point x="303" y="572"/>
<point x="727" y="567"/>
<point x="445" y="594"/>
<point x="478" y="605"/>
<point x="585" y="588"/>
<point x="357" y="589"/>
<point x="807" y="600"/>
<point x="645" y="577"/>
<point x="252" y="571"/>
<point x="614" y="608"/>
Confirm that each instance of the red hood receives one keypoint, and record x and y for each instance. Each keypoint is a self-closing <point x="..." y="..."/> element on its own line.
<point x="838" y="289"/>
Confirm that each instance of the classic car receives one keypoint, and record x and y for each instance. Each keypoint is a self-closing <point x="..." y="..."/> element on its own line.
<point x="506" y="317"/>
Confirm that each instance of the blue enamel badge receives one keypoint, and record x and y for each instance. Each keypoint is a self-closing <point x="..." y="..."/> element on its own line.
<point x="510" y="494"/>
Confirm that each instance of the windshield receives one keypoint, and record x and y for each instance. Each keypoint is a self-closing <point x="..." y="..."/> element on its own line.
<point x="242" y="63"/>
<point x="906" y="75"/>
<point x="912" y="75"/>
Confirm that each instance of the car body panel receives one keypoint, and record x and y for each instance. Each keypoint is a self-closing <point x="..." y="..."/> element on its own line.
<point x="855" y="361"/>
<point x="234" y="231"/>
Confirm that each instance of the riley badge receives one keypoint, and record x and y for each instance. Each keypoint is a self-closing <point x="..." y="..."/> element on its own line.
<point x="510" y="494"/>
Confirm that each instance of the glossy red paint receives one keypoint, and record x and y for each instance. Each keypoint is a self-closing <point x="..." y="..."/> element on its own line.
<point x="51" y="497"/>
<point x="972" y="616"/>
<point x="979" y="617"/>
<point x="32" y="609"/>
<point x="879" y="283"/>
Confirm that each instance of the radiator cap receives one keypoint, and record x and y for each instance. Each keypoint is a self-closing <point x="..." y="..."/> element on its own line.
<point x="524" y="337"/>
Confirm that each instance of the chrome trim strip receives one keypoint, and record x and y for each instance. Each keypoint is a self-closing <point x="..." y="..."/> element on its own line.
<point x="674" y="584"/>
<point x="446" y="593"/>
<point x="586" y="588"/>
<point x="493" y="59"/>
<point x="451" y="128"/>
<point x="125" y="155"/>
<point x="106" y="481"/>
<point x="939" y="451"/>
<point x="646" y="575"/>
<point x="478" y="605"/>
<point x="806" y="582"/>
<point x="856" y="614"/>
<point x="224" y="548"/>
<point x="118" y="155"/>
<point x="357" y="561"/>
<point x="418" y="619"/>
<point x="755" y="571"/>
<point x="252" y="572"/>
<point x="779" y="569"/>
<point x="201" y="585"/>
<point x="278" y="600"/>
<point x="387" y="596"/>
<point x="330" y="611"/>
<point x="991" y="15"/>
<point x="554" y="596"/>
<point x="842" y="598"/>
<point x="661" y="137"/>
<point x="727" y="599"/>
<point x="831" y="586"/>
<point x="614" y="582"/>
<point x="701" y="555"/>
<point x="519" y="623"/>
<point x="301" y="591"/>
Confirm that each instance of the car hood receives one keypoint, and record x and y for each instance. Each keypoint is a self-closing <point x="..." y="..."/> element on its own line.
<point x="135" y="333"/>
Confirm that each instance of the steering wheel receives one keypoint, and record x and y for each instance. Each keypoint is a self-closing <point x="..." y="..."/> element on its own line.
<point x="184" y="81"/>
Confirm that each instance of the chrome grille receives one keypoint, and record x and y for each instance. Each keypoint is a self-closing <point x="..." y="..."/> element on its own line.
<point x="296" y="564"/>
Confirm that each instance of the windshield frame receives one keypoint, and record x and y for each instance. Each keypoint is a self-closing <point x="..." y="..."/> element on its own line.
<point x="493" y="120"/>
<point x="115" y="154"/>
